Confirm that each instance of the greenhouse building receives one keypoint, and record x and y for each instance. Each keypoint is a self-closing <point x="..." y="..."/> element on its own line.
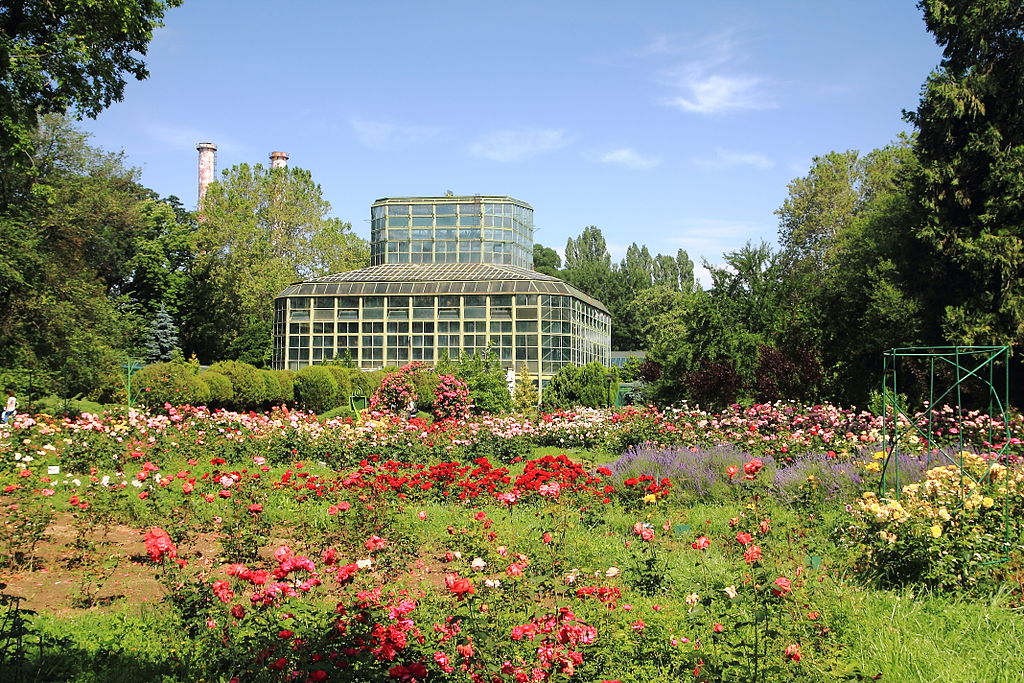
<point x="450" y="275"/>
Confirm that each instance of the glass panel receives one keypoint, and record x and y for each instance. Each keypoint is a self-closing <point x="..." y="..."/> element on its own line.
<point x="398" y="234"/>
<point x="526" y="313"/>
<point x="423" y="222"/>
<point x="465" y="209"/>
<point x="445" y="209"/>
<point x="398" y="210"/>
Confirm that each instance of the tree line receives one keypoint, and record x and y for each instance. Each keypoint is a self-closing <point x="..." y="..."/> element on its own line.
<point x="918" y="243"/>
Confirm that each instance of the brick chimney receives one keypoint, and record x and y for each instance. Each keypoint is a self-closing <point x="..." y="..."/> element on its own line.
<point x="278" y="159"/>
<point x="207" y="167"/>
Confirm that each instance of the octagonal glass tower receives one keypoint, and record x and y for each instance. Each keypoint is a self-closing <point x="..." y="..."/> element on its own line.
<point x="450" y="275"/>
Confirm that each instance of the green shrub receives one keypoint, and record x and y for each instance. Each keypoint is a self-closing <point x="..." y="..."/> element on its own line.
<point x="315" y="388"/>
<point x="286" y="378"/>
<point x="340" y="411"/>
<point x="69" y="407"/>
<point x="343" y="376"/>
<point x="425" y="382"/>
<point x="274" y="390"/>
<point x="168" y="383"/>
<point x="248" y="388"/>
<point x="573" y="385"/>
<point x="221" y="392"/>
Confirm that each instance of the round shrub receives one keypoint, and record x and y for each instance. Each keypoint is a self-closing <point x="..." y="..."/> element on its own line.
<point x="343" y="376"/>
<point x="452" y="400"/>
<point x="315" y="388"/>
<point x="368" y="382"/>
<point x="425" y="383"/>
<point x="286" y="378"/>
<point x="273" y="388"/>
<point x="248" y="387"/>
<point x="168" y="383"/>
<point x="221" y="392"/>
<point x="396" y="390"/>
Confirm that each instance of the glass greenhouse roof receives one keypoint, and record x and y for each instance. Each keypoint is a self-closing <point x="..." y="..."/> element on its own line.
<point x="438" y="278"/>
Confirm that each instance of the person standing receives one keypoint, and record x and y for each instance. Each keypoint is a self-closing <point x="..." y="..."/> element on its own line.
<point x="10" y="408"/>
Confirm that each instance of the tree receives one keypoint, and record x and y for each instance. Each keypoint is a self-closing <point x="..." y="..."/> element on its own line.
<point x="72" y="300"/>
<point x="525" y="397"/>
<point x="162" y="337"/>
<point x="546" y="260"/>
<point x="587" y="249"/>
<point x="260" y="230"/>
<point x="66" y="56"/>
<point x="970" y="184"/>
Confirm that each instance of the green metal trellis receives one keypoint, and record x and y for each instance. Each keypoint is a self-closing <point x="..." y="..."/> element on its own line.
<point x="978" y="374"/>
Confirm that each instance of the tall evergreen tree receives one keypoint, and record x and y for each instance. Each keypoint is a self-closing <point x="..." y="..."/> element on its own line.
<point x="161" y="338"/>
<point x="970" y="184"/>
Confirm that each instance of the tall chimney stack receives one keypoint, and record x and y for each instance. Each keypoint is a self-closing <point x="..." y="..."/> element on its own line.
<point x="278" y="159"/>
<point x="207" y="167"/>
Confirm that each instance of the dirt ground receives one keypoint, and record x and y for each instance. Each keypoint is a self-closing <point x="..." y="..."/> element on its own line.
<point x="56" y="580"/>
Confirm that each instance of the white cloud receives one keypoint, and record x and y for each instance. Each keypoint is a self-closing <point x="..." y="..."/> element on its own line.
<point x="715" y="94"/>
<point x="384" y="135"/>
<point x="516" y="145"/>
<point x="729" y="159"/>
<point x="629" y="158"/>
<point x="710" y="83"/>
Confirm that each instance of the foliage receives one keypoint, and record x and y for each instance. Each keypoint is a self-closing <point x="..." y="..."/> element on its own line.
<point x="162" y="338"/>
<point x="248" y="390"/>
<point x="485" y="378"/>
<point x="316" y="389"/>
<point x="525" y="397"/>
<point x="573" y="385"/>
<point x="261" y="229"/>
<point x="169" y="383"/>
<point x="89" y="258"/>
<point x="452" y="400"/>
<point x="221" y="391"/>
<point x="72" y="57"/>
<point x="968" y="183"/>
<point x="940" y="532"/>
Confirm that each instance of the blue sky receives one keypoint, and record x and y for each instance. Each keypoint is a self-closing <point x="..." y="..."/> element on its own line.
<point x="671" y="124"/>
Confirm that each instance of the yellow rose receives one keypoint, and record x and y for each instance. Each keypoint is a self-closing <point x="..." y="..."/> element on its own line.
<point x="987" y="502"/>
<point x="935" y="530"/>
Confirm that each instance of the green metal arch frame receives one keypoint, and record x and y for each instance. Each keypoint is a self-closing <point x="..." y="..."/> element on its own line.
<point x="968" y="363"/>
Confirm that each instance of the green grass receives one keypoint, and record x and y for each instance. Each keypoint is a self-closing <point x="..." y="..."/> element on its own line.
<point x="915" y="638"/>
<point x="593" y="456"/>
